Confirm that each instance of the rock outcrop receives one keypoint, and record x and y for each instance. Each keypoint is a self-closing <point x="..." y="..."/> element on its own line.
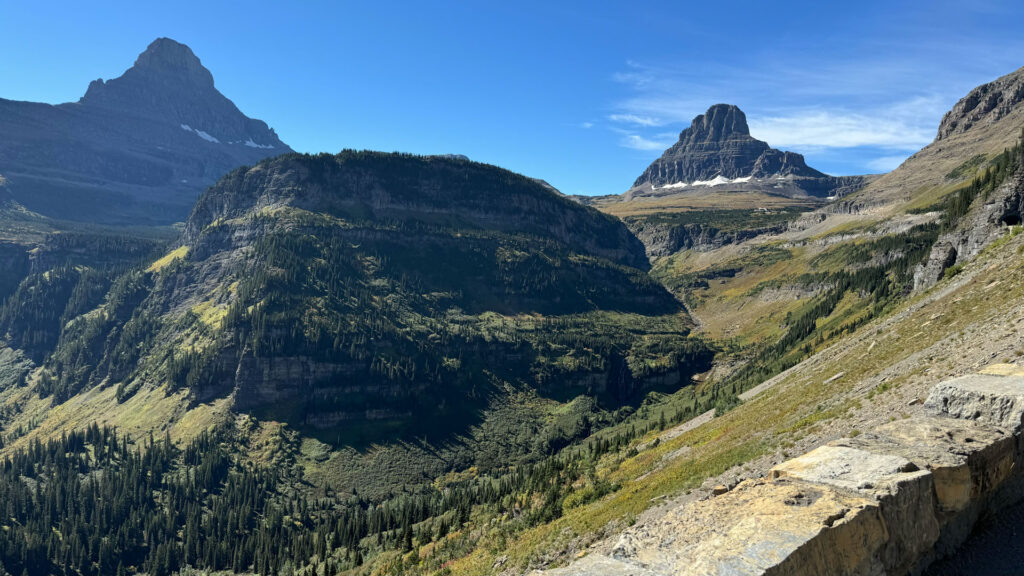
<point x="980" y="126"/>
<point x="718" y="144"/>
<point x="138" y="148"/>
<point x="989" y="218"/>
<point x="887" y="502"/>
<point x="717" y="150"/>
<point x="986" y="104"/>
<point x="662" y="239"/>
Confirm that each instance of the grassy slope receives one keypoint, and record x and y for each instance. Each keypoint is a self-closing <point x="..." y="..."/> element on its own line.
<point x="959" y="326"/>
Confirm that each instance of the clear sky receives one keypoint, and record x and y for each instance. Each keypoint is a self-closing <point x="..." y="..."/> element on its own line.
<point x="581" y="94"/>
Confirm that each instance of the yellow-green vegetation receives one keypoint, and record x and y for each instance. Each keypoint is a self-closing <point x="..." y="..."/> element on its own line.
<point x="178" y="253"/>
<point x="210" y="314"/>
<point x="702" y="201"/>
<point x="807" y="400"/>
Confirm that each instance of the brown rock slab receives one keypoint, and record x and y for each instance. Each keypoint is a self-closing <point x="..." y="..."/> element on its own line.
<point x="760" y="527"/>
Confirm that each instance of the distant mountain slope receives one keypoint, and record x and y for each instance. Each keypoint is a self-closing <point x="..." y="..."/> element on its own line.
<point x="138" y="148"/>
<point x="717" y="150"/>
<point x="978" y="128"/>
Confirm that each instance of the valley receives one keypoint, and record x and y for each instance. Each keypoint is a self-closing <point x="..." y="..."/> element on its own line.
<point x="370" y="363"/>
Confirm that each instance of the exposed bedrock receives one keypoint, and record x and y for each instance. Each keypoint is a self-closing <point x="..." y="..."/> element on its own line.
<point x="887" y="502"/>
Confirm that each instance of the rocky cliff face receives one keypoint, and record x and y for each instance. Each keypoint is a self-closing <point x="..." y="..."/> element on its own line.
<point x="718" y="150"/>
<point x="985" y="105"/>
<point x="137" y="148"/>
<point x="887" y="502"/>
<point x="662" y="239"/>
<point x="990" y="217"/>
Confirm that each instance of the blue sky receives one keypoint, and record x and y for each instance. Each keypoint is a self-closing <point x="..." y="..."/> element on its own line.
<point x="582" y="94"/>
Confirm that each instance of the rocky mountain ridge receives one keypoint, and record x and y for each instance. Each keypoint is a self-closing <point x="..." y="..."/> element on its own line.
<point x="136" y="149"/>
<point x="718" y="144"/>
<point x="991" y="212"/>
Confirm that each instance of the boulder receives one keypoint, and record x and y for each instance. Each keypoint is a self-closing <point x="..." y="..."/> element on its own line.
<point x="995" y="400"/>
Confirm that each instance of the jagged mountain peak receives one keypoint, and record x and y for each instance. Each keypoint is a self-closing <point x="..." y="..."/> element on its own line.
<point x="166" y="56"/>
<point x="165" y="67"/>
<point x="717" y="149"/>
<point x="720" y="122"/>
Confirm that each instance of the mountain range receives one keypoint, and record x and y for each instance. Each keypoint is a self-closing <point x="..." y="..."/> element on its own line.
<point x="382" y="364"/>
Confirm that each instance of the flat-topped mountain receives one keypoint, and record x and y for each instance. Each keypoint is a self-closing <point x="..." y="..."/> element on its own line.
<point x="717" y="150"/>
<point x="138" y="148"/>
<point x="374" y="295"/>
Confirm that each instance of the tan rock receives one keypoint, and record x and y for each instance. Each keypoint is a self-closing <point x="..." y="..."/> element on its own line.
<point x="966" y="458"/>
<point x="903" y="492"/>
<point x="763" y="527"/>
<point x="1003" y="370"/>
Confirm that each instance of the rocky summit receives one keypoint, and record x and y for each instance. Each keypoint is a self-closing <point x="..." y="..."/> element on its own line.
<point x="138" y="148"/>
<point x="717" y="150"/>
<point x="986" y="104"/>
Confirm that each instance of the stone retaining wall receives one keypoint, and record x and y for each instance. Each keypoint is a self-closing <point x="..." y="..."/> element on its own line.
<point x="888" y="502"/>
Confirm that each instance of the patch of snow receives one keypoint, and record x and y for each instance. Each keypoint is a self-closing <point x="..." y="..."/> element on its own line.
<point x="204" y="135"/>
<point x="716" y="181"/>
<point x="830" y="198"/>
<point x="251" y="144"/>
<point x="207" y="137"/>
<point x="676" y="185"/>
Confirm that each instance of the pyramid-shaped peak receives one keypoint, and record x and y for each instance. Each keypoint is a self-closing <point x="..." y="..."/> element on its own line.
<point x="168" y="57"/>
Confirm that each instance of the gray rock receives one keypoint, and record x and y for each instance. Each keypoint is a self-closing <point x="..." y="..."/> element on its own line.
<point x="988" y="220"/>
<point x="941" y="257"/>
<point x="994" y="400"/>
<point x="904" y="492"/>
<point x="986" y="104"/>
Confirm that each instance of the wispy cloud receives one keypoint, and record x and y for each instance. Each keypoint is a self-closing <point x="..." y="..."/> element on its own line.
<point x="885" y="163"/>
<point x="648" y="121"/>
<point x="843" y="129"/>
<point x="805" y="109"/>
<point x="586" y="125"/>
<point x="638" y="142"/>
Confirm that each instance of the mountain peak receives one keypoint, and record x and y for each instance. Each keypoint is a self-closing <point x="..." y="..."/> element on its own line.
<point x="717" y="149"/>
<point x="146" y="143"/>
<point x="719" y="123"/>
<point x="165" y="67"/>
<point x="985" y="105"/>
<point x="168" y="57"/>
